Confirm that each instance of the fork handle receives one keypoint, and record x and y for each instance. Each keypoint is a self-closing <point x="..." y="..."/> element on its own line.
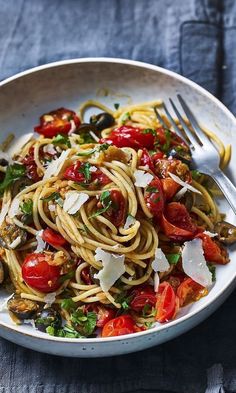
<point x="227" y="187"/>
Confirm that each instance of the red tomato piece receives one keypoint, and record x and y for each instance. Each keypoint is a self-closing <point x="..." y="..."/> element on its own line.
<point x="53" y="238"/>
<point x="154" y="197"/>
<point x="38" y="274"/>
<point x="128" y="136"/>
<point x="166" y="303"/>
<point x="170" y="187"/>
<point x="176" y="222"/>
<point x="141" y="297"/>
<point x="146" y="159"/>
<point x="104" y="314"/>
<point x="167" y="137"/>
<point x="119" y="326"/>
<point x="157" y="156"/>
<point x="190" y="291"/>
<point x="177" y="167"/>
<point x="212" y="252"/>
<point x="31" y="166"/>
<point x="116" y="212"/>
<point x="75" y="173"/>
<point x="56" y="122"/>
<point x="85" y="275"/>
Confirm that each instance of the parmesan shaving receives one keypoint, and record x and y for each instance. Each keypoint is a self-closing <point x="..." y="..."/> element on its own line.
<point x="210" y="234"/>
<point x="156" y="281"/>
<point x="73" y="201"/>
<point x="113" y="268"/>
<point x="55" y="166"/>
<point x="194" y="263"/>
<point x="15" y="208"/>
<point x="50" y="298"/>
<point x="183" y="183"/>
<point x="142" y="179"/>
<point x="94" y="136"/>
<point x="93" y="169"/>
<point x="130" y="221"/>
<point x="40" y="243"/>
<point x="50" y="149"/>
<point x="160" y="263"/>
<point x="4" y="211"/>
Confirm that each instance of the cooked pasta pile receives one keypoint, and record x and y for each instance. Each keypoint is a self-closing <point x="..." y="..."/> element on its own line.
<point x="99" y="220"/>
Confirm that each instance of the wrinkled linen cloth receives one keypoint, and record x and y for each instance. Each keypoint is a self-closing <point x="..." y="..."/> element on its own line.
<point x="196" y="38"/>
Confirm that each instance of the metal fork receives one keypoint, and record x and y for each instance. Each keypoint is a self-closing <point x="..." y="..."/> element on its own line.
<point x="205" y="156"/>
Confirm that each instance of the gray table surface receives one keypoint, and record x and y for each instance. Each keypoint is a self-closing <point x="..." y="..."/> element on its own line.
<point x="196" y="38"/>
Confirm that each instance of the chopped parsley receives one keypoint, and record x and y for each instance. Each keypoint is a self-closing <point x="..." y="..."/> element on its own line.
<point x="173" y="258"/>
<point x="126" y="117"/>
<point x="85" y="137"/>
<point x="212" y="269"/>
<point x="55" y="196"/>
<point x="67" y="331"/>
<point x="67" y="276"/>
<point x="102" y="147"/>
<point x="68" y="304"/>
<point x="13" y="172"/>
<point x="149" y="131"/>
<point x="195" y="174"/>
<point x="85" y="323"/>
<point x="105" y="199"/>
<point x="152" y="189"/>
<point x="166" y="145"/>
<point x="27" y="207"/>
<point x="85" y="169"/>
<point x="61" y="140"/>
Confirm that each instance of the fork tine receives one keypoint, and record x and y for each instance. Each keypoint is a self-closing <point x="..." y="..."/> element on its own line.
<point x="187" y="131"/>
<point x="171" y="120"/>
<point x="200" y="134"/>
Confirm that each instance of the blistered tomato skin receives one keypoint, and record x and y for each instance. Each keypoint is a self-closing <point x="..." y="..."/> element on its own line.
<point x="59" y="121"/>
<point x="38" y="274"/>
<point x="176" y="222"/>
<point x="128" y="136"/>
<point x="119" y="326"/>
<point x="154" y="197"/>
<point x="53" y="238"/>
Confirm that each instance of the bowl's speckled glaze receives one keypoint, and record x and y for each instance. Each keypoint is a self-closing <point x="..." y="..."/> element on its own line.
<point x="24" y="97"/>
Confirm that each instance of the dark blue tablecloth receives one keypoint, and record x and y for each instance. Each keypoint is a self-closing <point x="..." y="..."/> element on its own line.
<point x="196" y="38"/>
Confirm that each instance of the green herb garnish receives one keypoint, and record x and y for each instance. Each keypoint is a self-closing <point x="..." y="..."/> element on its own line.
<point x="61" y="140"/>
<point x="166" y="145"/>
<point x="126" y="117"/>
<point x="195" y="174"/>
<point x="102" y="147"/>
<point x="55" y="196"/>
<point x="86" y="323"/>
<point x="68" y="304"/>
<point x="173" y="258"/>
<point x="67" y="276"/>
<point x="27" y="207"/>
<point x="85" y="169"/>
<point x="152" y="189"/>
<point x="13" y="172"/>
<point x="212" y="269"/>
<point x="149" y="131"/>
<point x="105" y="199"/>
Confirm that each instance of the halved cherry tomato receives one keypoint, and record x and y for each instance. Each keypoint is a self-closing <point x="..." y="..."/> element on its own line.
<point x="117" y="211"/>
<point x="170" y="187"/>
<point x="128" y="136"/>
<point x="31" y="166"/>
<point x="104" y="314"/>
<point x="119" y="326"/>
<point x="53" y="238"/>
<point x="85" y="275"/>
<point x="177" y="167"/>
<point x="75" y="173"/>
<point x="146" y="159"/>
<point x="166" y="303"/>
<point x="141" y="297"/>
<point x="212" y="252"/>
<point x="154" y="197"/>
<point x="157" y="156"/>
<point x="38" y="274"/>
<point x="56" y="122"/>
<point x="190" y="291"/>
<point x="169" y="139"/>
<point x="176" y="222"/>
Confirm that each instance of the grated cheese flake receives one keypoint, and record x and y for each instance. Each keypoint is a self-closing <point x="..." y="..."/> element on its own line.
<point x="142" y="179"/>
<point x="50" y="298"/>
<point x="40" y="243"/>
<point x="130" y="221"/>
<point x="14" y="208"/>
<point x="50" y="149"/>
<point x="194" y="263"/>
<point x="160" y="262"/>
<point x="55" y="166"/>
<point x="113" y="268"/>
<point x="183" y="183"/>
<point x="210" y="234"/>
<point x="73" y="201"/>
<point x="4" y="212"/>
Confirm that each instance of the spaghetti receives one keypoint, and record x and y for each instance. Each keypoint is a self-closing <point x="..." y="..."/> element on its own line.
<point x="94" y="221"/>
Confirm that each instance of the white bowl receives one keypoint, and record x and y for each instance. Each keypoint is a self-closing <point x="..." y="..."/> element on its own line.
<point x="24" y="97"/>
